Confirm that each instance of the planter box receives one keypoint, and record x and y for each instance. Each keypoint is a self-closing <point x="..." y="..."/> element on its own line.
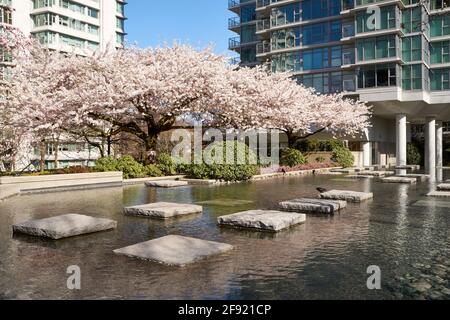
<point x="63" y="181"/>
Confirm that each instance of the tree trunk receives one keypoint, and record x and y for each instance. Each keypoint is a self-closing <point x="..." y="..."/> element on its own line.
<point x="291" y="138"/>
<point x="109" y="144"/>
<point x="42" y="153"/>
<point x="56" y="146"/>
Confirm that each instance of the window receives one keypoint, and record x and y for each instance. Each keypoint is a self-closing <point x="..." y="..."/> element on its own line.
<point x="377" y="76"/>
<point x="412" y="77"/>
<point x="412" y="20"/>
<point x="387" y="20"/>
<point x="412" y="48"/>
<point x="440" y="52"/>
<point x="440" y="79"/>
<point x="376" y="48"/>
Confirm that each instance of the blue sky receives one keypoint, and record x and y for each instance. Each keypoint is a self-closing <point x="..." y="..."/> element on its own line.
<point x="197" y="22"/>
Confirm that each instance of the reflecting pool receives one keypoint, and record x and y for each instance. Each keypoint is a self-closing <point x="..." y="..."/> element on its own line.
<point x="326" y="258"/>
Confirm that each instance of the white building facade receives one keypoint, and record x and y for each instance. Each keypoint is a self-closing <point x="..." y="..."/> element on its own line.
<point x="79" y="26"/>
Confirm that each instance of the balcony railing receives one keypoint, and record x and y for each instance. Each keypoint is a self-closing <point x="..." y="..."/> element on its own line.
<point x="234" y="43"/>
<point x="263" y="47"/>
<point x="233" y="3"/>
<point x="263" y="3"/>
<point x="234" y="22"/>
<point x="262" y="25"/>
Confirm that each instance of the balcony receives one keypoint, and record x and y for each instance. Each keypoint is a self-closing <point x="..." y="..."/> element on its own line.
<point x="263" y="47"/>
<point x="263" y="3"/>
<point x="234" y="23"/>
<point x="234" y="5"/>
<point x="262" y="25"/>
<point x="234" y="43"/>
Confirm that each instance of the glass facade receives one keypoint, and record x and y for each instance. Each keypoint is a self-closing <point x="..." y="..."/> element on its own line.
<point x="345" y="45"/>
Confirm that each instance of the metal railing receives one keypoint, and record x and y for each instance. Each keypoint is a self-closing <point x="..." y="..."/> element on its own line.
<point x="263" y="47"/>
<point x="234" y="22"/>
<point x="234" y="43"/>
<point x="262" y="25"/>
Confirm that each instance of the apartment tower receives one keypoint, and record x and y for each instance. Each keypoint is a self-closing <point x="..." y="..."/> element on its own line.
<point x="394" y="54"/>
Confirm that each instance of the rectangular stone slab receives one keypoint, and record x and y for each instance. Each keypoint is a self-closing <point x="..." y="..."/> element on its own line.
<point x="408" y="167"/>
<point x="432" y="203"/>
<point x="65" y="226"/>
<point x="344" y="170"/>
<point x="166" y="183"/>
<point x="163" y="210"/>
<point x="400" y="180"/>
<point x="421" y="177"/>
<point x="439" y="194"/>
<point x="313" y="206"/>
<point x="261" y="220"/>
<point x="360" y="176"/>
<point x="174" y="250"/>
<point x="350" y="196"/>
<point x="444" y="187"/>
<point x="377" y="173"/>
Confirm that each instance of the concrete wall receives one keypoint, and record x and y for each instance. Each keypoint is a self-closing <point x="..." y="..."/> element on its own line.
<point x="45" y="183"/>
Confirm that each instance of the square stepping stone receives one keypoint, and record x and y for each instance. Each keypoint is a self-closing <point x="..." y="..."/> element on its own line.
<point x="432" y="203"/>
<point x="174" y="250"/>
<point x="65" y="226"/>
<point x="421" y="177"/>
<point x="408" y="167"/>
<point x="439" y="194"/>
<point x="166" y="183"/>
<point x="348" y="171"/>
<point x="313" y="206"/>
<point x="261" y="220"/>
<point x="350" y="196"/>
<point x="226" y="202"/>
<point x="360" y="176"/>
<point x="163" y="210"/>
<point x="444" y="187"/>
<point x="377" y="173"/>
<point x="400" y="180"/>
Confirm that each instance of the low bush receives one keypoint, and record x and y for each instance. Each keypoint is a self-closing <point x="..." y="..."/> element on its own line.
<point x="414" y="156"/>
<point x="73" y="170"/>
<point x="320" y="160"/>
<point x="343" y="157"/>
<point x="239" y="171"/>
<point x="152" y="170"/>
<point x="318" y="145"/>
<point x="166" y="165"/>
<point x="131" y="168"/>
<point x="292" y="158"/>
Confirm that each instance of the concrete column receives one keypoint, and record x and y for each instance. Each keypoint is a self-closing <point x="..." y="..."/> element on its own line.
<point x="430" y="147"/>
<point x="401" y="140"/>
<point x="367" y="154"/>
<point x="439" y="150"/>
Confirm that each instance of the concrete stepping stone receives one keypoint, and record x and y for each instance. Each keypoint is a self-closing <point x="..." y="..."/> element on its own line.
<point x="166" y="183"/>
<point x="421" y="177"/>
<point x="359" y="176"/>
<point x="65" y="226"/>
<point x="226" y="202"/>
<point x="377" y="173"/>
<point x="439" y="194"/>
<point x="399" y="180"/>
<point x="350" y="196"/>
<point x="347" y="171"/>
<point x="408" y="167"/>
<point x="313" y="206"/>
<point x="261" y="220"/>
<point x="163" y="210"/>
<point x="174" y="250"/>
<point x="444" y="187"/>
<point x="432" y="203"/>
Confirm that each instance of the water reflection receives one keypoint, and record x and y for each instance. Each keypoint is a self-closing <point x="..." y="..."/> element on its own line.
<point x="327" y="257"/>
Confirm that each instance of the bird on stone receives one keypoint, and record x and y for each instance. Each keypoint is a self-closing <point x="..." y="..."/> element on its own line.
<point x="284" y="171"/>
<point x="321" y="190"/>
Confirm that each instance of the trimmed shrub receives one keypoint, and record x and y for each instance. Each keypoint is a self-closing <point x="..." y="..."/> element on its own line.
<point x="318" y="145"/>
<point x="292" y="158"/>
<point x="166" y="165"/>
<point x="343" y="157"/>
<point x="413" y="154"/>
<point x="131" y="168"/>
<point x="221" y="170"/>
<point x="152" y="170"/>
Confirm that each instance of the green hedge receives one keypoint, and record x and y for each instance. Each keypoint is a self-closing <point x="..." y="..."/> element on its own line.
<point x="318" y="145"/>
<point x="131" y="168"/>
<point x="292" y="158"/>
<point x="414" y="156"/>
<point x="343" y="157"/>
<point x="220" y="170"/>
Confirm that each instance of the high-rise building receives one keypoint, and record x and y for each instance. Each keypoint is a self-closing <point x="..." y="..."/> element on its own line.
<point x="78" y="26"/>
<point x="394" y="54"/>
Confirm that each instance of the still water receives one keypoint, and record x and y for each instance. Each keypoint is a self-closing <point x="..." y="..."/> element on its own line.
<point x="326" y="258"/>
